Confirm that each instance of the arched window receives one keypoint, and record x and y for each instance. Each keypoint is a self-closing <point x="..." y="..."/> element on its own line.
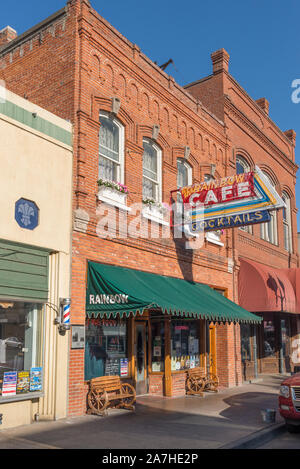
<point x="242" y="166"/>
<point x="287" y="227"/>
<point x="111" y="148"/>
<point x="184" y="173"/>
<point x="152" y="162"/>
<point x="212" y="236"/>
<point x="268" y="230"/>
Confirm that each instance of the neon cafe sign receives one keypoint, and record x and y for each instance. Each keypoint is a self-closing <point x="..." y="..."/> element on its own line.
<point x="238" y="200"/>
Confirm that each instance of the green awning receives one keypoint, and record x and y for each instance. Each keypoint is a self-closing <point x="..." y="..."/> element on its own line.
<point x="113" y="291"/>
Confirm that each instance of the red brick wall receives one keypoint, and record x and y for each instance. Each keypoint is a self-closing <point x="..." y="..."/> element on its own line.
<point x="156" y="385"/>
<point x="178" y="384"/>
<point x="74" y="68"/>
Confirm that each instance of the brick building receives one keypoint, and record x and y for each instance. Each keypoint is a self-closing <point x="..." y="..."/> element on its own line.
<point x="267" y="253"/>
<point x="154" y="137"/>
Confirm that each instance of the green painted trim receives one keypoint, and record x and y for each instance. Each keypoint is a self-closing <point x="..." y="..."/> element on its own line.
<point x="23" y="271"/>
<point x="25" y="117"/>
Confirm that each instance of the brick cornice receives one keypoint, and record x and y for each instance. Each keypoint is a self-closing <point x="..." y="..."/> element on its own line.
<point x="263" y="114"/>
<point x="251" y="126"/>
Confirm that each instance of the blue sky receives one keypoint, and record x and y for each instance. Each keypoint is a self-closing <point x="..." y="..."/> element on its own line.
<point x="260" y="36"/>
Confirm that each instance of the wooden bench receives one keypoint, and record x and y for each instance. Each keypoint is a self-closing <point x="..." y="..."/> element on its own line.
<point x="109" y="391"/>
<point x="197" y="381"/>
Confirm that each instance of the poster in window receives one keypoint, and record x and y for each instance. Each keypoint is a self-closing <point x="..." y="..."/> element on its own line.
<point x="157" y="351"/>
<point x="124" y="366"/>
<point x="9" y="387"/>
<point x="23" y="383"/>
<point x="115" y="344"/>
<point x="36" y="379"/>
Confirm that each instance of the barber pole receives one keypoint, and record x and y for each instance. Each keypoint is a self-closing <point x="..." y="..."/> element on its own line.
<point x="66" y="308"/>
<point x="66" y="314"/>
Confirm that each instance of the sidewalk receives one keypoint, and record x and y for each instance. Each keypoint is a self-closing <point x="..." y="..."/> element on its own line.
<point x="189" y="422"/>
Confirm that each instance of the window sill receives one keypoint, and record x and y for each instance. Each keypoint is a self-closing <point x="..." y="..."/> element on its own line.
<point x="21" y="397"/>
<point x="213" y="239"/>
<point x="113" y="197"/>
<point x="154" y="214"/>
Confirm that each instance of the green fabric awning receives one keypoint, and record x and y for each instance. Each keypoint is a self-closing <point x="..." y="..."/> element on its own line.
<point x="113" y="291"/>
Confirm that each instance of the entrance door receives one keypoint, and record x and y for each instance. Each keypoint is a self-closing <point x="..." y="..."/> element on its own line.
<point x="248" y="352"/>
<point x="141" y="358"/>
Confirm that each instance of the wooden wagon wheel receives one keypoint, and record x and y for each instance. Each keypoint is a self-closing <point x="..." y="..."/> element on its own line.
<point x="98" y="401"/>
<point x="129" y="390"/>
<point x="195" y="384"/>
<point x="213" y="383"/>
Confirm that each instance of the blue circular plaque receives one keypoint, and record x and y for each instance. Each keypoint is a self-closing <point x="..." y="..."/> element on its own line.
<point x="27" y="214"/>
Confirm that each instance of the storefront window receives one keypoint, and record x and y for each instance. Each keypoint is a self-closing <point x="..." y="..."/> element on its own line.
<point x="106" y="348"/>
<point x="269" y="338"/>
<point x="158" y="345"/>
<point x="184" y="345"/>
<point x="20" y="348"/>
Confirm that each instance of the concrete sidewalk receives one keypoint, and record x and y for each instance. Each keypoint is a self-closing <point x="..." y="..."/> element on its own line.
<point x="188" y="422"/>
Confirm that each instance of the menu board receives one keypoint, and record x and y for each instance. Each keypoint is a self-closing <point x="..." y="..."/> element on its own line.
<point x="23" y="383"/>
<point x="9" y="387"/>
<point x="112" y="367"/>
<point x="36" y="379"/>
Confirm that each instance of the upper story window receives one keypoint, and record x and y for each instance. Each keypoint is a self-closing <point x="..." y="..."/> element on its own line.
<point x="287" y="228"/>
<point x="241" y="167"/>
<point x="212" y="236"/>
<point x="184" y="173"/>
<point x="111" y="149"/>
<point x="268" y="230"/>
<point x="152" y="162"/>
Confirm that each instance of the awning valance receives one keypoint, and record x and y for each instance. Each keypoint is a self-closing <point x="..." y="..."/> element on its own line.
<point x="113" y="291"/>
<point x="263" y="288"/>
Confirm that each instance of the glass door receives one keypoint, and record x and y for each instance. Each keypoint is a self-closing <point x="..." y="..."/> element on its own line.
<point x="141" y="358"/>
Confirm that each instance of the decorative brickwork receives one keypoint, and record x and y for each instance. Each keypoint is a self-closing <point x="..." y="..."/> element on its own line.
<point x="76" y="65"/>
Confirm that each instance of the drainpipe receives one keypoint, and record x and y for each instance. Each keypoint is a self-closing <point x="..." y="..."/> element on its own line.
<point x="281" y="358"/>
<point x="255" y="353"/>
<point x="207" y="347"/>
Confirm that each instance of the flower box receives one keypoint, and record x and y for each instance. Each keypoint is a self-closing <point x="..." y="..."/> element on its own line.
<point x="113" y="197"/>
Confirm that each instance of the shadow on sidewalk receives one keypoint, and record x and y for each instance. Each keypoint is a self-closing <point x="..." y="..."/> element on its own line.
<point x="166" y="423"/>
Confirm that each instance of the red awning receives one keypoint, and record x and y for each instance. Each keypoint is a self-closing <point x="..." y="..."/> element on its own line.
<point x="263" y="288"/>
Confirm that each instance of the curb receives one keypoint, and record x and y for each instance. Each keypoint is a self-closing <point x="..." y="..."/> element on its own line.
<point x="256" y="439"/>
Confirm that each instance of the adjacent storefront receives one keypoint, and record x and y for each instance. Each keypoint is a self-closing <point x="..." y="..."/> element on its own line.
<point x="270" y="294"/>
<point x="151" y="329"/>
<point x="36" y="175"/>
<point x="23" y="294"/>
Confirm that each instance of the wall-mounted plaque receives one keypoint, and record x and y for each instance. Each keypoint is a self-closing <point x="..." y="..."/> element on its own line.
<point x="78" y="337"/>
<point x="27" y="214"/>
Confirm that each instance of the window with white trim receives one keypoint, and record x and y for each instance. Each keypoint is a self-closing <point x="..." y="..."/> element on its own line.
<point x="184" y="175"/>
<point x="268" y="230"/>
<point x="111" y="148"/>
<point x="212" y="236"/>
<point x="242" y="166"/>
<point x="151" y="171"/>
<point x="287" y="228"/>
